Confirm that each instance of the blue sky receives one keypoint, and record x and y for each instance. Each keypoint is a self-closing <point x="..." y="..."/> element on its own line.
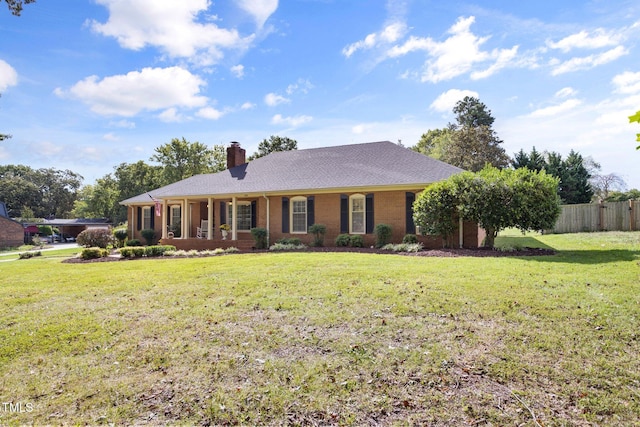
<point x="89" y="84"/>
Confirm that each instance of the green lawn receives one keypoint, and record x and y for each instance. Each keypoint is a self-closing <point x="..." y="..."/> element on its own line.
<point x="327" y="338"/>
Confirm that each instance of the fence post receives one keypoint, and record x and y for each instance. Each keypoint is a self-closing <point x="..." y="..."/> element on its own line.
<point x="632" y="225"/>
<point x="601" y="224"/>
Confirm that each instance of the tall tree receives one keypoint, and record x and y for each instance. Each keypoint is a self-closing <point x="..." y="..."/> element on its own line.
<point x="533" y="161"/>
<point x="604" y="184"/>
<point x="471" y="143"/>
<point x="471" y="112"/>
<point x="47" y="192"/>
<point x="274" y="143"/>
<point x="15" y="6"/>
<point x="182" y="159"/>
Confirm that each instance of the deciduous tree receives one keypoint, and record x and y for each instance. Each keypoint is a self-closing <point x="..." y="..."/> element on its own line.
<point x="15" y="6"/>
<point x="274" y="143"/>
<point x="636" y="118"/>
<point x="182" y="159"/>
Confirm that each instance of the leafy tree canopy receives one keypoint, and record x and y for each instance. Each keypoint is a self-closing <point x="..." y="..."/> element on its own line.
<point x="274" y="143"/>
<point x="15" y="6"/>
<point x="636" y="118"/>
<point x="471" y="143"/>
<point x="495" y="199"/>
<point x="181" y="159"/>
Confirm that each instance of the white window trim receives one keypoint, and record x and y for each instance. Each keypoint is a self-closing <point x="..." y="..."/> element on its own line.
<point x="230" y="220"/>
<point x="364" y="213"/>
<point x="306" y="210"/>
<point x="146" y="221"/>
<point x="171" y="218"/>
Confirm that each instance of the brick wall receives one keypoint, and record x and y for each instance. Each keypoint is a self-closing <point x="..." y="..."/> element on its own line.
<point x="11" y="233"/>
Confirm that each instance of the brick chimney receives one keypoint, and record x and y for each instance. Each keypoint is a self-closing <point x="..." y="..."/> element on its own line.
<point x="235" y="155"/>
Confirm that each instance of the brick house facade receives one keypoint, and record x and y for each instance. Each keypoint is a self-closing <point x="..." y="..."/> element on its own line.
<point x="11" y="232"/>
<point x="349" y="189"/>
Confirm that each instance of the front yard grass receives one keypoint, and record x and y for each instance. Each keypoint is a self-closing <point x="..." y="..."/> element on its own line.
<point x="327" y="338"/>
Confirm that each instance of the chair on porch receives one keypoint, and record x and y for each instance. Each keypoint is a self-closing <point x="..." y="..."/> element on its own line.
<point x="201" y="232"/>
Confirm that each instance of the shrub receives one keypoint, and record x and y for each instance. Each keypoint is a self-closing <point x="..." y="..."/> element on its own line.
<point x="94" y="253"/>
<point x="403" y="247"/>
<point x="383" y="234"/>
<point x="357" y="241"/>
<point x="133" y="242"/>
<point x="286" y="247"/>
<point x="132" y="252"/>
<point x="27" y="255"/>
<point x="318" y="231"/>
<point x="343" y="240"/>
<point x="231" y="250"/>
<point x="260" y="236"/>
<point x="158" y="250"/>
<point x="289" y="241"/>
<point x="149" y="235"/>
<point x="410" y="238"/>
<point x="96" y="237"/>
<point x="121" y="235"/>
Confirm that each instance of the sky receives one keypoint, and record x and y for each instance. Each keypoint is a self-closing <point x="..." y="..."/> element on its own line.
<point x="89" y="84"/>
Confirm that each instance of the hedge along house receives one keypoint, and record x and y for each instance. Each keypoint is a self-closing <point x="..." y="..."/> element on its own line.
<point x="349" y="189"/>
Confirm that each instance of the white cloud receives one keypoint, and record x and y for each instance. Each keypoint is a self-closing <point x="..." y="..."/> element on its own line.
<point x="171" y="115"/>
<point x="583" y="40"/>
<point x="8" y="76"/>
<point x="446" y="101"/>
<point x="248" y="106"/>
<point x="238" y="71"/>
<point x="566" y="92"/>
<point x="587" y="62"/>
<point x="260" y="10"/>
<point x="391" y="33"/>
<point x="171" y="26"/>
<point x="555" y="110"/>
<point x="210" y="113"/>
<point x="125" y="124"/>
<point x="291" y="121"/>
<point x="110" y="137"/>
<point x="627" y="82"/>
<point x="273" y="99"/>
<point x="359" y="129"/>
<point x="301" y="86"/>
<point x="456" y="55"/>
<point x="148" y="90"/>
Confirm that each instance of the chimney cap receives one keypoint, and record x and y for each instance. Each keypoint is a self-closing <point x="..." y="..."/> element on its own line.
<point x="235" y="144"/>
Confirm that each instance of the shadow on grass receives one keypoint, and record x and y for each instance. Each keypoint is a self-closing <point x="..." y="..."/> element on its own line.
<point x="568" y="256"/>
<point x="590" y="256"/>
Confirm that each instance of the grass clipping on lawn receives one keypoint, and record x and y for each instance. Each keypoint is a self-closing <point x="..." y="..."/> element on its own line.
<point x="327" y="338"/>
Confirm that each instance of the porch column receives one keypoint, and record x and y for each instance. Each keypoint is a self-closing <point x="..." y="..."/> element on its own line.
<point x="163" y="218"/>
<point x="234" y="214"/>
<point x="268" y="220"/>
<point x="183" y="220"/>
<point x="133" y="220"/>
<point x="210" y="218"/>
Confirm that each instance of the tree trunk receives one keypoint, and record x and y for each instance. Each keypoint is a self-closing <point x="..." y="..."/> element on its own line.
<point x="490" y="238"/>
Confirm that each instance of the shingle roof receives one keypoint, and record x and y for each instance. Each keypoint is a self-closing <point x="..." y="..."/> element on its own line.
<point x="374" y="164"/>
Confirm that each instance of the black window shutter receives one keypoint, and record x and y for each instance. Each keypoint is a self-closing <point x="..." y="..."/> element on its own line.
<point x="310" y="211"/>
<point x="285" y="214"/>
<point x="254" y="220"/>
<point x="223" y="213"/>
<point x="153" y="215"/>
<point x="139" y="217"/>
<point x="369" y="209"/>
<point x="344" y="213"/>
<point x="410" y="225"/>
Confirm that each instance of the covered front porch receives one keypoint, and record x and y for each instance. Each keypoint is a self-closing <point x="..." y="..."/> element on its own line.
<point x="195" y="223"/>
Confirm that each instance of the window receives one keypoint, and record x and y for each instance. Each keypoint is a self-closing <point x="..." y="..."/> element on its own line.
<point x="299" y="215"/>
<point x="146" y="217"/>
<point x="357" y="214"/>
<point x="176" y="220"/>
<point x="244" y="215"/>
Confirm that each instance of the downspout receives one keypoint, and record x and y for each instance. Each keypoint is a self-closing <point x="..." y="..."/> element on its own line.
<point x="268" y="217"/>
<point x="210" y="218"/>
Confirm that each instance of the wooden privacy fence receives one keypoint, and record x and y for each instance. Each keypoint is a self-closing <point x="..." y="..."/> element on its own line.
<point x="605" y="216"/>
